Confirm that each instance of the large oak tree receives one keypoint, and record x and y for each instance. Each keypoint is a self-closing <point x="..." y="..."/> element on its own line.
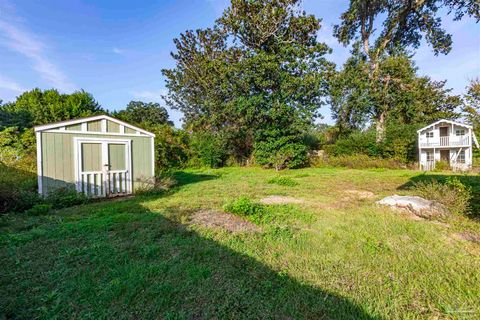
<point x="381" y="27"/>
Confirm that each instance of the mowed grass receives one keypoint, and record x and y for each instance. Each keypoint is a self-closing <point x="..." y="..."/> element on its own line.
<point x="334" y="256"/>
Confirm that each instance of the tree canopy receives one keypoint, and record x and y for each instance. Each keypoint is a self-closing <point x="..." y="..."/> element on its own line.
<point x="146" y="113"/>
<point x="471" y="104"/>
<point x="385" y="27"/>
<point x="399" y="94"/>
<point x="257" y="77"/>
<point x="39" y="107"/>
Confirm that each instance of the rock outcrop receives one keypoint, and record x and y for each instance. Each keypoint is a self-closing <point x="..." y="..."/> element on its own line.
<point x="419" y="206"/>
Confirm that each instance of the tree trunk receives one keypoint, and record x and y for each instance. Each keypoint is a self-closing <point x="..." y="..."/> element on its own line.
<point x="380" y="127"/>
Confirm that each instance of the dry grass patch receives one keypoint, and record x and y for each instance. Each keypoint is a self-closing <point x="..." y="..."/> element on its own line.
<point x="281" y="200"/>
<point x="223" y="220"/>
<point x="468" y="236"/>
<point x="359" y="194"/>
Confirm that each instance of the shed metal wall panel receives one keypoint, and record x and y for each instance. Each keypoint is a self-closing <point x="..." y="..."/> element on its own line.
<point x="112" y="126"/>
<point x="129" y="130"/>
<point x="74" y="127"/>
<point x="95" y="126"/>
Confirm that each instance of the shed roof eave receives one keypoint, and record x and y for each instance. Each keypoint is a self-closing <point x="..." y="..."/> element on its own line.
<point x="87" y="119"/>
<point x="444" y="120"/>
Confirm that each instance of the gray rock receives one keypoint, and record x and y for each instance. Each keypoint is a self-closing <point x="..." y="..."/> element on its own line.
<point x="419" y="206"/>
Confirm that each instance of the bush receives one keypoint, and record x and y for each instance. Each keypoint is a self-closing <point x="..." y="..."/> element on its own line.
<point x="358" y="142"/>
<point x="172" y="148"/>
<point x="245" y="207"/>
<point x="65" y="197"/>
<point x="13" y="199"/>
<point x="399" y="143"/>
<point x="442" y="166"/>
<point x="359" y="161"/>
<point x="453" y="194"/>
<point x="283" y="181"/>
<point x="39" y="209"/>
<point x="18" y="189"/>
<point x="281" y="153"/>
<point x="208" y="150"/>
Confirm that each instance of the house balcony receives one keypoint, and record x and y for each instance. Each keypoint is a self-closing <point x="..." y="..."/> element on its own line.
<point x="447" y="141"/>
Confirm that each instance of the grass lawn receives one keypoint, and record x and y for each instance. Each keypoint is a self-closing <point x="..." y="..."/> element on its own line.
<point x="332" y="256"/>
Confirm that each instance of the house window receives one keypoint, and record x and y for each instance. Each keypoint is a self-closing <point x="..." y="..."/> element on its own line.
<point x="429" y="156"/>
<point x="430" y="134"/>
<point x="460" y="132"/>
<point x="461" y="157"/>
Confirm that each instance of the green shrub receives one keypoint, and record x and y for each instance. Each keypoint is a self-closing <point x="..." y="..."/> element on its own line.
<point x="172" y="148"/>
<point x="13" y="199"/>
<point x="442" y="166"/>
<point x="245" y="207"/>
<point x="208" y="150"/>
<point x="39" y="209"/>
<point x="359" y="161"/>
<point x="399" y="143"/>
<point x="281" y="153"/>
<point x="453" y="194"/>
<point x="283" y="181"/>
<point x="65" y="197"/>
<point x="358" y="142"/>
<point x="18" y="189"/>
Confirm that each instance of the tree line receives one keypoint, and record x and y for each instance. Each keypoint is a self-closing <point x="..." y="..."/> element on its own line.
<point x="250" y="87"/>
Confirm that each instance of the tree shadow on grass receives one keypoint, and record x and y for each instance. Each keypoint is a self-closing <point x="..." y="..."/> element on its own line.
<point x="184" y="178"/>
<point x="124" y="261"/>
<point x="471" y="181"/>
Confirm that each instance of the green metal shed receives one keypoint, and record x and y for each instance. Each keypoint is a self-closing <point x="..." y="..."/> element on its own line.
<point x="100" y="156"/>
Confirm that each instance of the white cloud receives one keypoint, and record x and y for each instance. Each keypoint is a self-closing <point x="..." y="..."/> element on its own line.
<point x="11" y="85"/>
<point x="18" y="39"/>
<point x="149" y="96"/>
<point x="118" y="50"/>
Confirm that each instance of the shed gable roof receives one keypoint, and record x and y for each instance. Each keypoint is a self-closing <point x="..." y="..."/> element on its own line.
<point x="61" y="124"/>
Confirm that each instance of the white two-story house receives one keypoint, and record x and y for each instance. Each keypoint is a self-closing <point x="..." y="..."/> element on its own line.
<point x="448" y="141"/>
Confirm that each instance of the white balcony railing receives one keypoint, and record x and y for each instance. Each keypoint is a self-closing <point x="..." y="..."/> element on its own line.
<point x="447" y="141"/>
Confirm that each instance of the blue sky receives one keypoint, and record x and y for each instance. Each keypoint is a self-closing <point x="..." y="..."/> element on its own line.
<point x="116" y="49"/>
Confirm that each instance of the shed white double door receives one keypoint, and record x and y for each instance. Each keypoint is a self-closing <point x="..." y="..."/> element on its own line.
<point x="103" y="167"/>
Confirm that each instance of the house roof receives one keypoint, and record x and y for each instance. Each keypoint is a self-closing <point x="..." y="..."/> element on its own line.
<point x="454" y="123"/>
<point x="60" y="124"/>
<point x="447" y="121"/>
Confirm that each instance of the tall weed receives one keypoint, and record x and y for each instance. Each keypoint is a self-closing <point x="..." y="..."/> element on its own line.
<point x="453" y="194"/>
<point x="358" y="161"/>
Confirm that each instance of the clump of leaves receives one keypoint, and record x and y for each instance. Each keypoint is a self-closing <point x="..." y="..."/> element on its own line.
<point x="453" y="194"/>
<point x="442" y="165"/>
<point x="65" y="197"/>
<point x="244" y="206"/>
<point x="281" y="153"/>
<point x="39" y="209"/>
<point x="283" y="181"/>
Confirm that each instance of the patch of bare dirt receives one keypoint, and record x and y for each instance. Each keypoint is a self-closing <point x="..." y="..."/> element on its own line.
<point x="281" y="200"/>
<point x="359" y="194"/>
<point x="223" y="220"/>
<point x="468" y="236"/>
